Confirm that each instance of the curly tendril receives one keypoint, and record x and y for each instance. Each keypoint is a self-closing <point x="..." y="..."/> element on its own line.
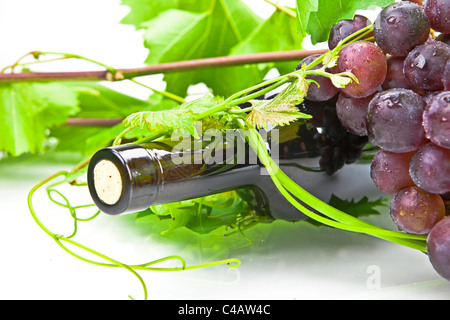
<point x="110" y="262"/>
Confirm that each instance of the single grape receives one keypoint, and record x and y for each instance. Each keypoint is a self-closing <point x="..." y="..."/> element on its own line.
<point x="395" y="78"/>
<point x="416" y="211"/>
<point x="424" y="66"/>
<point x="352" y="113"/>
<point x="345" y="28"/>
<point x="438" y="247"/>
<point x="436" y="119"/>
<point x="367" y="62"/>
<point x="430" y="168"/>
<point x="326" y="89"/>
<point x="438" y="12"/>
<point x="400" y="27"/>
<point x="394" y="120"/>
<point x="390" y="171"/>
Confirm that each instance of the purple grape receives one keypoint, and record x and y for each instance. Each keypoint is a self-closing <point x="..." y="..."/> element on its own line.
<point x="352" y="113"/>
<point x="416" y="211"/>
<point x="390" y="171"/>
<point x="394" y="120"/>
<point x="326" y="89"/>
<point x="438" y="12"/>
<point x="367" y="62"/>
<point x="345" y="28"/>
<point x="430" y="168"/>
<point x="395" y="78"/>
<point x="424" y="66"/>
<point x="400" y="27"/>
<point x="436" y="119"/>
<point x="438" y="247"/>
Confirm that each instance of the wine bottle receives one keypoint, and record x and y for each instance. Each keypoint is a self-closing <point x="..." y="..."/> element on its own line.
<point x="131" y="177"/>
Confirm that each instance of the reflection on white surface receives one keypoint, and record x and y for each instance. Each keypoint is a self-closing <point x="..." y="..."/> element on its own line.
<point x="285" y="260"/>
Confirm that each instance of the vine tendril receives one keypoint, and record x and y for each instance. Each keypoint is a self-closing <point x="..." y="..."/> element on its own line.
<point x="62" y="240"/>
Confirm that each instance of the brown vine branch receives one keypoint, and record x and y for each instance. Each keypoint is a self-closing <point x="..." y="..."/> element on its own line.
<point x="177" y="66"/>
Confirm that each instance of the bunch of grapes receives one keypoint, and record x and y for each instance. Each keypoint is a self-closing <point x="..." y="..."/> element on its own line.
<point x="402" y="105"/>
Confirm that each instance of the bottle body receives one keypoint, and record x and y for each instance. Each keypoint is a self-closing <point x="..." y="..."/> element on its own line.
<point x="131" y="178"/>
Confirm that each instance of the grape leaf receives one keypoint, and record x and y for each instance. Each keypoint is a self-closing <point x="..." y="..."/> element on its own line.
<point x="201" y="215"/>
<point x="277" y="33"/>
<point x="329" y="12"/>
<point x="360" y="208"/>
<point x="144" y="10"/>
<point x="180" y="117"/>
<point x="280" y="110"/>
<point x="27" y="110"/>
<point x="97" y="101"/>
<point x="304" y="9"/>
<point x="211" y="33"/>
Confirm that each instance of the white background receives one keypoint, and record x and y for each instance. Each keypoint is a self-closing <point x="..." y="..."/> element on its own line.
<point x="286" y="261"/>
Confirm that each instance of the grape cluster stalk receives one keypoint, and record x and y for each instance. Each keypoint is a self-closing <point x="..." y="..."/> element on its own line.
<point x="401" y="106"/>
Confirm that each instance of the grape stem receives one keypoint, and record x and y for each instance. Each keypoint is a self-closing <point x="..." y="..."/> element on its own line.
<point x="332" y="216"/>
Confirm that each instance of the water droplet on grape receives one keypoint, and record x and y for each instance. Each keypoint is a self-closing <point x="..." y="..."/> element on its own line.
<point x="392" y="20"/>
<point x="420" y="62"/>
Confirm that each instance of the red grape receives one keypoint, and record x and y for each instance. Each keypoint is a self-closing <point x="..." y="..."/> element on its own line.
<point x="430" y="168"/>
<point x="425" y="64"/>
<point x="438" y="12"/>
<point x="416" y="211"/>
<point x="345" y="28"/>
<point x="352" y="113"/>
<point x="367" y="62"/>
<point x="326" y="89"/>
<point x="400" y="27"/>
<point x="436" y="119"/>
<point x="390" y="171"/>
<point x="438" y="247"/>
<point x="394" y="120"/>
<point x="395" y="78"/>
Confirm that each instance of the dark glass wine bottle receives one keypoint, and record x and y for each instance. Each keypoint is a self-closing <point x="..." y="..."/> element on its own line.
<point x="131" y="178"/>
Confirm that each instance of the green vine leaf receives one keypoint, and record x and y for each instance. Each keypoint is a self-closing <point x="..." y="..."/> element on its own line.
<point x="329" y="12"/>
<point x="144" y="10"/>
<point x="176" y="35"/>
<point x="330" y="59"/>
<point x="27" y="110"/>
<point x="356" y="208"/>
<point x="282" y="109"/>
<point x="304" y="9"/>
<point x="340" y="80"/>
<point x="268" y="38"/>
<point x="177" y="118"/>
